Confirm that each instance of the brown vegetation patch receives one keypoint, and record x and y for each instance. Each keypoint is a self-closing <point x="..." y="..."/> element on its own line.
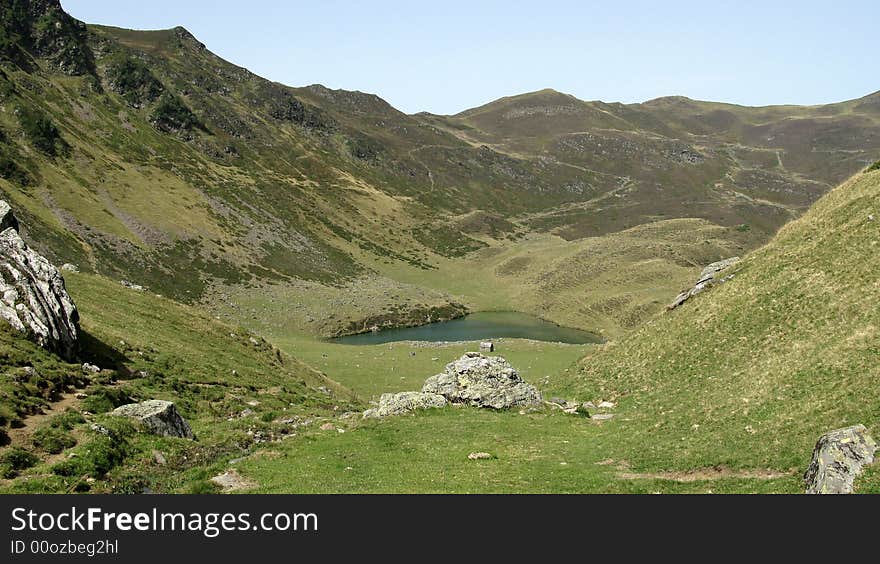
<point x="701" y="474"/>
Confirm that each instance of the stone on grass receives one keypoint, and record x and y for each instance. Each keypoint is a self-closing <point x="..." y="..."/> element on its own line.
<point x="837" y="459"/>
<point x="479" y="456"/>
<point x="708" y="278"/>
<point x="158" y="417"/>
<point x="404" y="402"/>
<point x="483" y="381"/>
<point x="231" y="481"/>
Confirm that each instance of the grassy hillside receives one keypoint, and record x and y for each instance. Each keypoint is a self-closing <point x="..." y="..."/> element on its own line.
<point x="249" y="209"/>
<point x="727" y="393"/>
<point x="751" y="373"/>
<point x="141" y="155"/>
<point x="148" y="347"/>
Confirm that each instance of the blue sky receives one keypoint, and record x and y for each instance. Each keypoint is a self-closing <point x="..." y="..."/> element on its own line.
<point x="449" y="55"/>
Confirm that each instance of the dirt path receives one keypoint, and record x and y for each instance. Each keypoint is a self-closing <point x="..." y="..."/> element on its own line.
<point x="700" y="474"/>
<point x="21" y="435"/>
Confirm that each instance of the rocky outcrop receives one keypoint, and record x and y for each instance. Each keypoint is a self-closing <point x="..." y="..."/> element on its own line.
<point x="42" y="28"/>
<point x="483" y="381"/>
<point x="709" y="277"/>
<point x="158" y="417"/>
<point x="473" y="379"/>
<point x="404" y="402"/>
<point x="33" y="298"/>
<point x="407" y="316"/>
<point x="837" y="459"/>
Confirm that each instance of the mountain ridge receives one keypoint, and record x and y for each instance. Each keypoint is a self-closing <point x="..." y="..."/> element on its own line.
<point x="169" y="166"/>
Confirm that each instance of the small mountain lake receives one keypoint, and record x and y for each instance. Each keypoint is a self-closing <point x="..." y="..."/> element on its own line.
<point x="478" y="326"/>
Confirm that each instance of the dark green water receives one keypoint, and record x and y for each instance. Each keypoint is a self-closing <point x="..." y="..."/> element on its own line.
<point x="477" y="326"/>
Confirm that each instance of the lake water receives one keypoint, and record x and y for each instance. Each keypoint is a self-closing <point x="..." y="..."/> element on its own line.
<point x="478" y="326"/>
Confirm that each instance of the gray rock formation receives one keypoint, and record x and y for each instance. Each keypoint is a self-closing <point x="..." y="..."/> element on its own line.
<point x="837" y="460"/>
<point x="159" y="417"/>
<point x="483" y="381"/>
<point x="33" y="298"/>
<point x="132" y="286"/>
<point x="404" y="402"/>
<point x="708" y="277"/>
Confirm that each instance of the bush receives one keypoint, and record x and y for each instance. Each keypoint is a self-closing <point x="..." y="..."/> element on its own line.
<point x="42" y="132"/>
<point x="132" y="79"/>
<point x="105" y="451"/>
<point x="67" y="420"/>
<point x="10" y="170"/>
<point x="203" y="487"/>
<point x="875" y="166"/>
<point x="52" y="440"/>
<point x="103" y="399"/>
<point x="14" y="460"/>
<point x="171" y="114"/>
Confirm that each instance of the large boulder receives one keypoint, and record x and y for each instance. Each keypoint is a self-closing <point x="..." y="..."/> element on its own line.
<point x="159" y="417"/>
<point x="33" y="298"/>
<point x="837" y="460"/>
<point x="483" y="381"/>
<point x="709" y="277"/>
<point x="403" y="402"/>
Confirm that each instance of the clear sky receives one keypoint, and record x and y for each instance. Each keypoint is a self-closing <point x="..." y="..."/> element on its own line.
<point x="448" y="55"/>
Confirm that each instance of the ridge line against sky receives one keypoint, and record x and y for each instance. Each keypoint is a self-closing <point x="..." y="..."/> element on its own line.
<point x="447" y="57"/>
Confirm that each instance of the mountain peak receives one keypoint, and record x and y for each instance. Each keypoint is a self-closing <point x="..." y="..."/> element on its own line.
<point x="42" y="29"/>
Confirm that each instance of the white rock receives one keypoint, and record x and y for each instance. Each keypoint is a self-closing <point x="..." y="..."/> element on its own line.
<point x="35" y="300"/>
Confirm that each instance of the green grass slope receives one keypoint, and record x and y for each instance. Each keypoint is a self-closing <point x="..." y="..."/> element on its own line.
<point x="749" y="374"/>
<point x="148" y="348"/>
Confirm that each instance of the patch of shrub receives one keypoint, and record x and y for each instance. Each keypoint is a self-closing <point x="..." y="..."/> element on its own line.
<point x="446" y="241"/>
<point x="6" y="86"/>
<point x="10" y="170"/>
<point x="171" y="114"/>
<point x="875" y="166"/>
<point x="107" y="449"/>
<point x="365" y="148"/>
<point x="102" y="399"/>
<point x="67" y="420"/>
<point x="42" y="132"/>
<point x="14" y="460"/>
<point x="52" y="439"/>
<point x="203" y="487"/>
<point x="131" y="78"/>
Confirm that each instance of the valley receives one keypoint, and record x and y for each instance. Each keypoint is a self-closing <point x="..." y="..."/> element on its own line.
<point x="270" y="259"/>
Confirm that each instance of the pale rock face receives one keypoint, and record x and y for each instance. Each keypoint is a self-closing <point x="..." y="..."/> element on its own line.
<point x="473" y="379"/>
<point x="404" y="402"/>
<point x="709" y="277"/>
<point x="483" y="381"/>
<point x="159" y="417"/>
<point x="34" y="299"/>
<point x="838" y="459"/>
